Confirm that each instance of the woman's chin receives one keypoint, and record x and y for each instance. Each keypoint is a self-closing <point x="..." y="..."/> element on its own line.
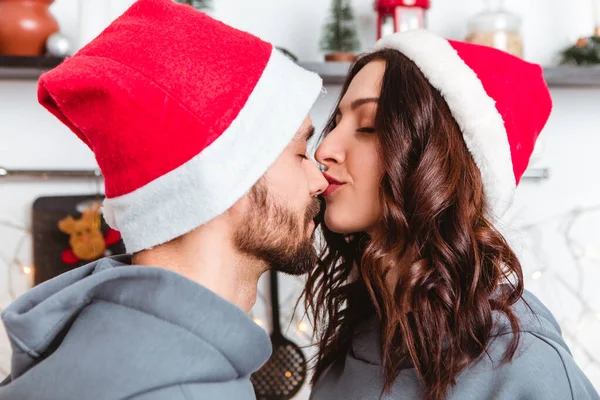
<point x="339" y="225"/>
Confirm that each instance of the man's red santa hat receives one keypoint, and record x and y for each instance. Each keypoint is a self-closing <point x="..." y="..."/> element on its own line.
<point x="183" y="113"/>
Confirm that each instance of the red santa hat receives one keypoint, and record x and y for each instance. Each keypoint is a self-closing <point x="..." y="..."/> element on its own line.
<point x="500" y="102"/>
<point x="183" y="113"/>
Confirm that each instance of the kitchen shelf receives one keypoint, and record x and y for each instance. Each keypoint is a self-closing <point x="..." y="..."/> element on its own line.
<point x="570" y="76"/>
<point x="333" y="73"/>
<point x="532" y="174"/>
<point x="559" y="76"/>
<point x="22" y="67"/>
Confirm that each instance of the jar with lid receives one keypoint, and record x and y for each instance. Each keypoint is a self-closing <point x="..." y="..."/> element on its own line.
<point x="496" y="27"/>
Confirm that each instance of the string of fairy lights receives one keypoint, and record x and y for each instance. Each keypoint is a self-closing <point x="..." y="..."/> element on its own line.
<point x="583" y="255"/>
<point x="14" y="266"/>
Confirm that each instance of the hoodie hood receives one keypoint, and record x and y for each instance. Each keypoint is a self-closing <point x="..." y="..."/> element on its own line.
<point x="121" y="320"/>
<point x="533" y="316"/>
<point x="542" y="368"/>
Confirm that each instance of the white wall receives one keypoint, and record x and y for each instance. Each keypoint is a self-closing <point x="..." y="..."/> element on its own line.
<point x="30" y="137"/>
<point x="548" y="24"/>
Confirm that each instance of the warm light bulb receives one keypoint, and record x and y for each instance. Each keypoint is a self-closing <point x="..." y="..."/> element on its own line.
<point x="536" y="275"/>
<point x="288" y="374"/>
<point x="258" y="322"/>
<point x="27" y="270"/>
<point x="303" y="327"/>
<point x="590" y="253"/>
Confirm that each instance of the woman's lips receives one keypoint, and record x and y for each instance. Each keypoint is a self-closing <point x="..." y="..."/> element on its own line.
<point x="334" y="185"/>
<point x="331" y="179"/>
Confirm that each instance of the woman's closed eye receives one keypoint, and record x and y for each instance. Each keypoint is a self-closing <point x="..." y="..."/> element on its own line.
<point x="366" y="130"/>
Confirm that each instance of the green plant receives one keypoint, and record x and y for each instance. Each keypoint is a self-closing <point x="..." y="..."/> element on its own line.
<point x="340" y="31"/>
<point x="585" y="52"/>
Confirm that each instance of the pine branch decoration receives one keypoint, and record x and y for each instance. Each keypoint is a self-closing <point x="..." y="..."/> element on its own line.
<point x="340" y="31"/>
<point x="585" y="52"/>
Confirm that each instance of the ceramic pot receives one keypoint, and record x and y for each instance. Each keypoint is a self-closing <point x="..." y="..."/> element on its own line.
<point x="340" y="57"/>
<point x="25" y="26"/>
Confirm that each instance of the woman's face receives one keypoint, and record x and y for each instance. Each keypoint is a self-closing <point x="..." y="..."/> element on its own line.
<point x="350" y="154"/>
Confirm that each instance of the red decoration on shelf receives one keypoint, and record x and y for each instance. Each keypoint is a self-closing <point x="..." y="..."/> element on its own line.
<point x="400" y="15"/>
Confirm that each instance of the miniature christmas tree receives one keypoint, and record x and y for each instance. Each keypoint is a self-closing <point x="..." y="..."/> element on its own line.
<point x="340" y="32"/>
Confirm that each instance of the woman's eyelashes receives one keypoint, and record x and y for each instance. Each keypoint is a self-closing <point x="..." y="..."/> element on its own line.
<point x="366" y="130"/>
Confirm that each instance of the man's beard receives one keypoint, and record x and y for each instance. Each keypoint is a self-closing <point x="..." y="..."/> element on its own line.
<point x="277" y="235"/>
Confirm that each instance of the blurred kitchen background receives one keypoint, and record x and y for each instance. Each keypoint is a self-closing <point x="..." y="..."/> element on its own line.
<point x="554" y="225"/>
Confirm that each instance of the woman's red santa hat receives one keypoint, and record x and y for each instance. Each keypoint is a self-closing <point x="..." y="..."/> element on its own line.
<point x="500" y="102"/>
<point x="183" y="113"/>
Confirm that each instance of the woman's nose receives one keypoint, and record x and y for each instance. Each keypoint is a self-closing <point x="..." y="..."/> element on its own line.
<point x="330" y="151"/>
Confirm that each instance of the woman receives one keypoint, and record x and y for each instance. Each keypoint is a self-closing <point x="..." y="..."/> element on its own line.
<point x="418" y="295"/>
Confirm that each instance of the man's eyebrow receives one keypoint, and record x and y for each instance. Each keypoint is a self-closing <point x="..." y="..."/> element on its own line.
<point x="310" y="132"/>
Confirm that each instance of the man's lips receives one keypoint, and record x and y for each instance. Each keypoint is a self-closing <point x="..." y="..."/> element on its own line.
<point x="330" y="189"/>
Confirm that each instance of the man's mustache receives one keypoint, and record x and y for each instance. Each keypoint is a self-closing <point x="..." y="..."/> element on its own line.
<point x="312" y="210"/>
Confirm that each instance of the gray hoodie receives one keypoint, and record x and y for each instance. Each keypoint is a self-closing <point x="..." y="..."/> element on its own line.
<point x="112" y="331"/>
<point x="543" y="368"/>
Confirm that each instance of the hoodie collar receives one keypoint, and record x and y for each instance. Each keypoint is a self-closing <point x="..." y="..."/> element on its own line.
<point x="35" y="320"/>
<point x="533" y="317"/>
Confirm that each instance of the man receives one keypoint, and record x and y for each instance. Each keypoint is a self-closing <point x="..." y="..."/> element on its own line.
<point x="200" y="131"/>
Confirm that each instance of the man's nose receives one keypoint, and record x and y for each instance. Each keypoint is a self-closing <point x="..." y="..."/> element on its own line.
<point x="317" y="182"/>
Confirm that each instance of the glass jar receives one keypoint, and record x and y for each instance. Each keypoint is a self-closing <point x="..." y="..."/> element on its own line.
<point x="498" y="28"/>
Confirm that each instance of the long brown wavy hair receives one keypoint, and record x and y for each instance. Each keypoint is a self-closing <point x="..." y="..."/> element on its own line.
<point x="436" y="269"/>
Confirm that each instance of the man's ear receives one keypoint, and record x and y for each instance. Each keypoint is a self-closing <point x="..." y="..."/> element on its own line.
<point x="67" y="225"/>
